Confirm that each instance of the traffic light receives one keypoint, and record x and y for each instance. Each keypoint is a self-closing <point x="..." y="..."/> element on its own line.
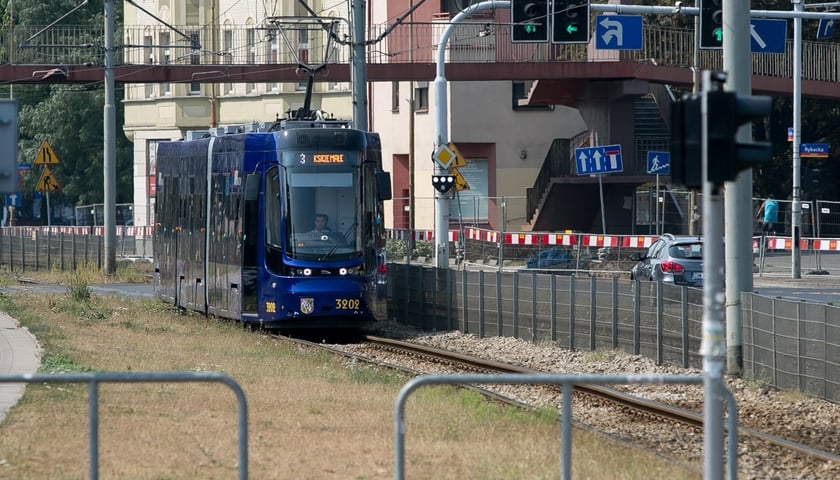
<point x="571" y="21"/>
<point x="8" y="146"/>
<point x="810" y="178"/>
<point x="686" y="142"/>
<point x="529" y="21"/>
<point x="711" y="23"/>
<point x="443" y="183"/>
<point x="727" y="112"/>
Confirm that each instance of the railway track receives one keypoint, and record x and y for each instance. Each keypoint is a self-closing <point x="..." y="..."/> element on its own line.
<point x="618" y="398"/>
<point x="423" y="359"/>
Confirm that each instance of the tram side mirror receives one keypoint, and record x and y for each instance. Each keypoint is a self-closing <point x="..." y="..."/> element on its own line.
<point x="383" y="185"/>
<point x="252" y="187"/>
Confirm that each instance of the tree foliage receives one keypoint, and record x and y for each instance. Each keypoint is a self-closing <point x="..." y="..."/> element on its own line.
<point x="70" y="118"/>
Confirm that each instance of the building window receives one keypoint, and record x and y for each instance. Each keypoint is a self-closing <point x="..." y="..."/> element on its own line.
<point x="165" y="57"/>
<point x="227" y="45"/>
<point x="273" y="46"/>
<point x="250" y="39"/>
<point x="195" y="59"/>
<point x="421" y="97"/>
<point x="520" y="92"/>
<point x="395" y="97"/>
<point x="150" y="58"/>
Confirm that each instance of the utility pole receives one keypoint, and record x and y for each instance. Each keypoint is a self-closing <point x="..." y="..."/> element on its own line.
<point x="441" y="126"/>
<point x="358" y="72"/>
<point x="796" y="208"/>
<point x="110" y="153"/>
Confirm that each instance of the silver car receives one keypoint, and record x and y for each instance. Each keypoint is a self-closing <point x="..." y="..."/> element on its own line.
<point x="671" y="259"/>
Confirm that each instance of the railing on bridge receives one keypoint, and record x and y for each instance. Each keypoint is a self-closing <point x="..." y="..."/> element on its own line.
<point x="407" y="43"/>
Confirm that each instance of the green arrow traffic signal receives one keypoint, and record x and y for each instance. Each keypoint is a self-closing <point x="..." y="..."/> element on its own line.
<point x="718" y="34"/>
<point x="571" y="28"/>
<point x="531" y="28"/>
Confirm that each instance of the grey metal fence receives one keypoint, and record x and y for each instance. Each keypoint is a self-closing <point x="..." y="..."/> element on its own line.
<point x="94" y="379"/>
<point x="66" y="248"/>
<point x="787" y="344"/>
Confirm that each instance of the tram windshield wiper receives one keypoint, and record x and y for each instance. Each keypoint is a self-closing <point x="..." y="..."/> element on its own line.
<point x="343" y="241"/>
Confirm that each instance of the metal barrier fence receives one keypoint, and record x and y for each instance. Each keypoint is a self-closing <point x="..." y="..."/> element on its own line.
<point x="65" y="248"/>
<point x="568" y="383"/>
<point x="787" y="344"/>
<point x="94" y="379"/>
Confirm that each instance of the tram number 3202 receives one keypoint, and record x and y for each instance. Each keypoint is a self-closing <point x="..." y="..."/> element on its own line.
<point x="346" y="303"/>
<point x="340" y="304"/>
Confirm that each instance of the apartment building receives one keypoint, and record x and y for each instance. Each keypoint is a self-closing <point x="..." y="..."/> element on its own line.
<point x="218" y="33"/>
<point x="505" y="143"/>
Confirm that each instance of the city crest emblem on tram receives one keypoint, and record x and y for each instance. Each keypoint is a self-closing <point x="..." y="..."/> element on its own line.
<point x="307" y="305"/>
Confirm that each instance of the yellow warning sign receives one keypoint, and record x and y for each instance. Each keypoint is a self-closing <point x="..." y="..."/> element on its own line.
<point x="460" y="182"/>
<point x="46" y="155"/>
<point x="459" y="160"/>
<point x="47" y="183"/>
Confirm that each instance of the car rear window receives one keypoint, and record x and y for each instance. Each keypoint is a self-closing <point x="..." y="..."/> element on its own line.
<point x="687" y="250"/>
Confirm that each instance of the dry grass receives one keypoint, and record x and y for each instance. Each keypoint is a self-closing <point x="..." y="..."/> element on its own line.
<point x="311" y="415"/>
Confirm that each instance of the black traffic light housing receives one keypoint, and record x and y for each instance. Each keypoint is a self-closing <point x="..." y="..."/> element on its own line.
<point x="727" y="156"/>
<point x="529" y="21"/>
<point x="571" y="21"/>
<point x="443" y="183"/>
<point x="810" y="178"/>
<point x="8" y="146"/>
<point x="711" y="23"/>
<point x="728" y="112"/>
<point x="686" y="142"/>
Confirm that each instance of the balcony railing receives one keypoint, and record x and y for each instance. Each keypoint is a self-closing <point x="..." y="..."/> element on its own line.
<point x="407" y="43"/>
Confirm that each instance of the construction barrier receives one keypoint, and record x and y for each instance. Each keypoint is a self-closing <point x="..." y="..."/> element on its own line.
<point x="601" y="241"/>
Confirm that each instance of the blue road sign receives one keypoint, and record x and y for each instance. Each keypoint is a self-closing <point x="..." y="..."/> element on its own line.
<point x="659" y="163"/>
<point x="813" y="150"/>
<point x="618" y="32"/>
<point x="13" y="200"/>
<point x="768" y="36"/>
<point x="826" y="29"/>
<point x="594" y="160"/>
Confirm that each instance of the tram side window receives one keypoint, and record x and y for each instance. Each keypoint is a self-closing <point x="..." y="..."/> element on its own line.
<point x="273" y="244"/>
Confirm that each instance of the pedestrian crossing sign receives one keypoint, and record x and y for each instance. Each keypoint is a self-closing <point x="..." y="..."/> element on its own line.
<point x="47" y="183"/>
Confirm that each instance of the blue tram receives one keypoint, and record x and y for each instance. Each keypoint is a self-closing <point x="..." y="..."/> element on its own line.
<point x="234" y="217"/>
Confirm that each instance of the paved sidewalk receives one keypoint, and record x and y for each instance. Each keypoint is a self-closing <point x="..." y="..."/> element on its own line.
<point x="19" y="354"/>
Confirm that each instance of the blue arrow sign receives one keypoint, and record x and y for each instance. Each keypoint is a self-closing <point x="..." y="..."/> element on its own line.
<point x="813" y="150"/>
<point x="595" y="160"/>
<point x="826" y="29"/>
<point x="768" y="36"/>
<point x="659" y="163"/>
<point x="618" y="32"/>
<point x="13" y="200"/>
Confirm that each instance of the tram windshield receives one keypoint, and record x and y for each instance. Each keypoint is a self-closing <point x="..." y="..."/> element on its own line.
<point x="321" y="208"/>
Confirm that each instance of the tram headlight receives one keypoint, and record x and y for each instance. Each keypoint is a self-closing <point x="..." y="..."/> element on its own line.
<point x="342" y="271"/>
<point x="307" y="272"/>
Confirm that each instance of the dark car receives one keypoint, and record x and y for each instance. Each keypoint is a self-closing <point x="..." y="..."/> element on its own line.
<point x="671" y="259"/>
<point x="551" y="258"/>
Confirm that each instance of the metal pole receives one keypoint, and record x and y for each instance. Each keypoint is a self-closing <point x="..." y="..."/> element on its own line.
<point x="695" y="87"/>
<point x="359" y="71"/>
<point x="601" y="194"/>
<point x="110" y="154"/>
<point x="738" y="198"/>
<point x="656" y="217"/>
<point x="796" y="217"/>
<point x="441" y="127"/>
<point x="712" y="346"/>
